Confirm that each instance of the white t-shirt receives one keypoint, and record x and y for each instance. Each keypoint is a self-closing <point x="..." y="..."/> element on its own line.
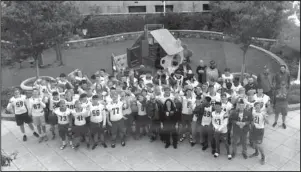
<point x="220" y="120"/>
<point x="63" y="117"/>
<point x="215" y="98"/>
<point x="19" y="104"/>
<point x="227" y="107"/>
<point x="37" y="106"/>
<point x="97" y="113"/>
<point x="236" y="89"/>
<point x="259" y="119"/>
<point x="80" y="117"/>
<point x="188" y="105"/>
<point x="141" y="109"/>
<point x="264" y="100"/>
<point x="115" y="110"/>
<point x="207" y="116"/>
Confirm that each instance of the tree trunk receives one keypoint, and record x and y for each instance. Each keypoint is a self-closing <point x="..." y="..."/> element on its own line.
<point x="37" y="68"/>
<point x="243" y="67"/>
<point x="60" y="54"/>
<point x="57" y="52"/>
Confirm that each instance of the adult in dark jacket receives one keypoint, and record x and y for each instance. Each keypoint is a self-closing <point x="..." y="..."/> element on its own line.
<point x="201" y="72"/>
<point x="169" y="123"/>
<point x="153" y="110"/>
<point x="241" y="120"/>
<point x="282" y="76"/>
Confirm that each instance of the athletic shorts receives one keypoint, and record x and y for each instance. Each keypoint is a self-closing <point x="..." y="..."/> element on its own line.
<point x="23" y="118"/>
<point x="257" y="135"/>
<point x="52" y="118"/>
<point x="80" y="130"/>
<point x="281" y="109"/>
<point x="96" y="128"/>
<point x="63" y="130"/>
<point x="39" y="120"/>
<point x="142" y="120"/>
<point x="186" y="119"/>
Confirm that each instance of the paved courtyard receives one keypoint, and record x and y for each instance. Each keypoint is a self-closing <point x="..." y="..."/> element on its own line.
<point x="282" y="149"/>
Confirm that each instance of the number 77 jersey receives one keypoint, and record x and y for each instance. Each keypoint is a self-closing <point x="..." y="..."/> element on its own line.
<point x="115" y="110"/>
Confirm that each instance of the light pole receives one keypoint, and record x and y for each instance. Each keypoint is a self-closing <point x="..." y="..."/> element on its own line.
<point x="164" y="9"/>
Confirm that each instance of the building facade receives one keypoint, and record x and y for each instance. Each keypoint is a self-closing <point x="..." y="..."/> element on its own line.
<point x="105" y="7"/>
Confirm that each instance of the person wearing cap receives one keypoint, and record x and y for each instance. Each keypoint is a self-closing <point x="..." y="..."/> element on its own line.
<point x="153" y="110"/>
<point x="188" y="104"/>
<point x="281" y="104"/>
<point x="258" y="125"/>
<point x="241" y="120"/>
<point x="212" y="72"/>
<point x="220" y="122"/>
<point x="201" y="72"/>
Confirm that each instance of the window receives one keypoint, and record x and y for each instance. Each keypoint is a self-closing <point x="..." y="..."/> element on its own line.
<point x="206" y="7"/>
<point x="168" y="8"/>
<point x="137" y="9"/>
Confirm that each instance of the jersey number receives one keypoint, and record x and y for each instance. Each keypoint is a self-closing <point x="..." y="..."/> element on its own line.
<point x="256" y="121"/>
<point x="80" y="118"/>
<point x="70" y="106"/>
<point x="19" y="104"/>
<point x="36" y="106"/>
<point x="218" y="121"/>
<point x="207" y="114"/>
<point x="63" y="118"/>
<point x="95" y="112"/>
<point x="116" y="111"/>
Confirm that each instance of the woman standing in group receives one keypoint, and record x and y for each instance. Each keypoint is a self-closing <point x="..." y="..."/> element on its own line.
<point x="169" y="123"/>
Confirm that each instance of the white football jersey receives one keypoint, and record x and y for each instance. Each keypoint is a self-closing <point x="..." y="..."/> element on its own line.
<point x="19" y="104"/>
<point x="63" y="117"/>
<point x="188" y="105"/>
<point x="141" y="109"/>
<point x="226" y="107"/>
<point x="264" y="100"/>
<point x="207" y="116"/>
<point x="97" y="113"/>
<point x="259" y="119"/>
<point x="115" y="110"/>
<point x="215" y="98"/>
<point x="80" y="117"/>
<point x="37" y="106"/>
<point x="53" y="104"/>
<point x="220" y="119"/>
<point x="71" y="104"/>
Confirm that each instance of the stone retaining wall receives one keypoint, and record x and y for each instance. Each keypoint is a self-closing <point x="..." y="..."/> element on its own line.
<point x="260" y="44"/>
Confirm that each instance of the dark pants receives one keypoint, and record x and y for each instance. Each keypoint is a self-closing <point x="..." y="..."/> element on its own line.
<point x="186" y="123"/>
<point x="129" y="123"/>
<point x="118" y="126"/>
<point x="155" y="127"/>
<point x="168" y="132"/>
<point x="96" y="131"/>
<point x="229" y="126"/>
<point x="221" y="136"/>
<point x="243" y="138"/>
<point x="63" y="131"/>
<point x="207" y="136"/>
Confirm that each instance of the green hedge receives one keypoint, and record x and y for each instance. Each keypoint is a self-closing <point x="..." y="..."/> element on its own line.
<point x="294" y="94"/>
<point x="102" y="25"/>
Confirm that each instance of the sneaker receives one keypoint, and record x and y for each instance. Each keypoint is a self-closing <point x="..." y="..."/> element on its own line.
<point x="24" y="138"/>
<point x="262" y="161"/>
<point x="275" y="123"/>
<point x="36" y="134"/>
<point x="216" y="155"/>
<point x="213" y="152"/>
<point x="123" y="143"/>
<point x="94" y="146"/>
<point x="254" y="155"/>
<point x="175" y="146"/>
<point x="192" y="144"/>
<point x="167" y="145"/>
<point x="204" y="148"/>
<point x="41" y="139"/>
<point x="63" y="147"/>
<point x="229" y="157"/>
<point x="45" y="138"/>
<point x="283" y="126"/>
<point x="112" y="145"/>
<point x="245" y="156"/>
<point x="104" y="145"/>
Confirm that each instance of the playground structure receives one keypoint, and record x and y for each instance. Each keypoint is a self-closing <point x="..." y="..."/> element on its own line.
<point x="155" y="47"/>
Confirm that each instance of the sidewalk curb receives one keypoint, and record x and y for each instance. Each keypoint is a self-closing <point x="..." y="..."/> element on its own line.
<point x="11" y="117"/>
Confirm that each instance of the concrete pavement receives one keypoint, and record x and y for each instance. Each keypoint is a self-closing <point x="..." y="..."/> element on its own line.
<point x="282" y="148"/>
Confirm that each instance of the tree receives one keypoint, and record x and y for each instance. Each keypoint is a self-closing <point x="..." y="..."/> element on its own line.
<point x="244" y="20"/>
<point x="34" y="26"/>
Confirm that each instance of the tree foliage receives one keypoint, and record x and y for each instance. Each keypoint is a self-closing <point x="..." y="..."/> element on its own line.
<point x="33" y="26"/>
<point x="244" y="20"/>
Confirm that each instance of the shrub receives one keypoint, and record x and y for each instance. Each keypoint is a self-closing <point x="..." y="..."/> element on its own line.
<point x="294" y="94"/>
<point x="102" y="25"/>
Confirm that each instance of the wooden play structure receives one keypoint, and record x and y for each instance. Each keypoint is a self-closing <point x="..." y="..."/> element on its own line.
<point x="156" y="46"/>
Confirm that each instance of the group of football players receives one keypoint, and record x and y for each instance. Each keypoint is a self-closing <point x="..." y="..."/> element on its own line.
<point x="172" y="107"/>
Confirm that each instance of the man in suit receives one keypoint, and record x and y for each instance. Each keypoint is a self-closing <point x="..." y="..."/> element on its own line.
<point x="241" y="119"/>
